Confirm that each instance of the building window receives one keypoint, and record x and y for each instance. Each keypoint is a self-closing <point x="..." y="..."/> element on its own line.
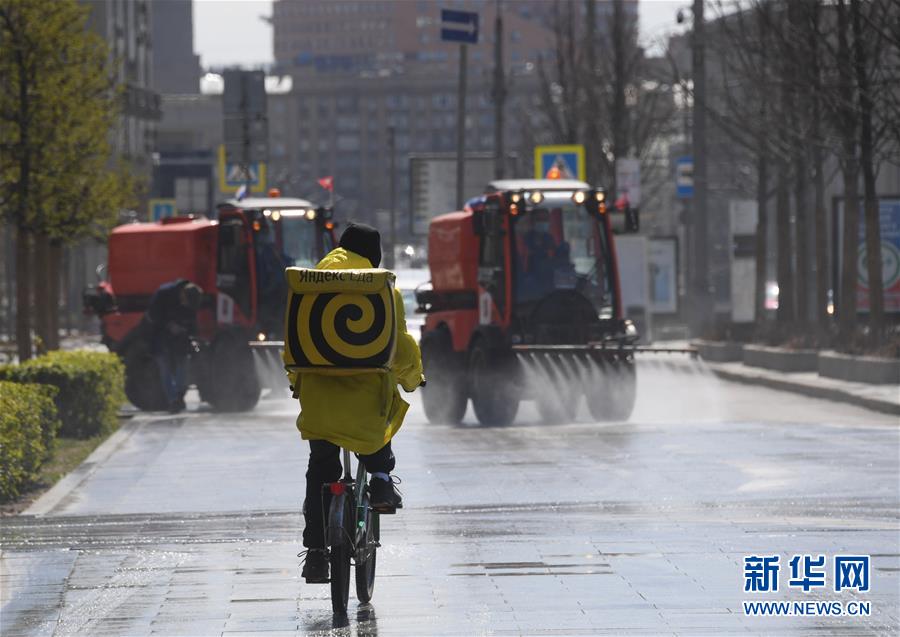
<point x="348" y="142"/>
<point x="191" y="194"/>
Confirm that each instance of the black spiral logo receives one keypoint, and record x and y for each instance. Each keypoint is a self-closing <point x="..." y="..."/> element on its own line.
<point x="341" y="329"/>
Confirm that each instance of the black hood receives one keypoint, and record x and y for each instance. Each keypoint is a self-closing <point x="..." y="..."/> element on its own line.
<point x="363" y="240"/>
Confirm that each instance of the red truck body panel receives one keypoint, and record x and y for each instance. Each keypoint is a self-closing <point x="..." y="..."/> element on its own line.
<point x="143" y="256"/>
<point x="453" y="252"/>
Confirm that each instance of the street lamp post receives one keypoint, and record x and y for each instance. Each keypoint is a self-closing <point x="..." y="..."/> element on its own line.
<point x="699" y="305"/>
<point x="701" y="225"/>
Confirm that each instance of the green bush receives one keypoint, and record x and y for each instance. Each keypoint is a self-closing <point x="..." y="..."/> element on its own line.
<point x="28" y="425"/>
<point x="91" y="388"/>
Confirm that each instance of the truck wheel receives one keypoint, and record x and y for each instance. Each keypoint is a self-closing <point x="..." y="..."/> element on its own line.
<point x="492" y="385"/>
<point x="143" y="386"/>
<point x="232" y="383"/>
<point x="611" y="392"/>
<point x="444" y="397"/>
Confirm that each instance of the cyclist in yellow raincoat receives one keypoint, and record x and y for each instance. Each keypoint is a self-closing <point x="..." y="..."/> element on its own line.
<point x="360" y="412"/>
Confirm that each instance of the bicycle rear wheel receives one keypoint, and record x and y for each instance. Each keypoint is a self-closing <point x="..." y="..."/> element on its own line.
<point x="340" y="520"/>
<point x="366" y="555"/>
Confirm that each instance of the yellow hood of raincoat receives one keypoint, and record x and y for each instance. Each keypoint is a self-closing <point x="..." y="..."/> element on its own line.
<point x="360" y="412"/>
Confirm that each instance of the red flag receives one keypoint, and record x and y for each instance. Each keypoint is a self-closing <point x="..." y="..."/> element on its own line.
<point x="327" y="183"/>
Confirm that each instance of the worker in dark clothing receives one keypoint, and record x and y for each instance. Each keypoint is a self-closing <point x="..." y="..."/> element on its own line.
<point x="172" y="319"/>
<point x="271" y="288"/>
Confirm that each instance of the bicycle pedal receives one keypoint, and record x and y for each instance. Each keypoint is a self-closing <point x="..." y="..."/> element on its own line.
<point x="387" y="510"/>
<point x="317" y="581"/>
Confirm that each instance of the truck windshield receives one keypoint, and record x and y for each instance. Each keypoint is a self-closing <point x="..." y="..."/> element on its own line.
<point x="298" y="241"/>
<point x="560" y="247"/>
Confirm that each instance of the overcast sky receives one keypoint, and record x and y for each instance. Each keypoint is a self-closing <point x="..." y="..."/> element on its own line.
<point x="231" y="32"/>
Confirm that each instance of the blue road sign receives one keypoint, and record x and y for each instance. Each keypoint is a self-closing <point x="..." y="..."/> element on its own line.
<point x="459" y="26"/>
<point x="162" y="209"/>
<point x="684" y="177"/>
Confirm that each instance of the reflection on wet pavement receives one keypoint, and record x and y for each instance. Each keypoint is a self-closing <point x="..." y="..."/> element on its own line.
<point x="192" y="527"/>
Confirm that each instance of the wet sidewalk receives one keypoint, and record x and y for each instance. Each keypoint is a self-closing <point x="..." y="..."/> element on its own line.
<point x="883" y="398"/>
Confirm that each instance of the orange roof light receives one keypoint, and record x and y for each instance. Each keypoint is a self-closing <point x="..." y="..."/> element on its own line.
<point x="274" y="192"/>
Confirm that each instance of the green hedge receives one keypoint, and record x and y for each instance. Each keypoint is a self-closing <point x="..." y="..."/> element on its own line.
<point x="28" y="426"/>
<point x="91" y="388"/>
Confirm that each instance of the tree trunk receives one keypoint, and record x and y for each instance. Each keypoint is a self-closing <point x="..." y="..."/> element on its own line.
<point x="762" y="236"/>
<point x="66" y="288"/>
<point x="41" y="292"/>
<point x="867" y="162"/>
<point x="9" y="283"/>
<point x="618" y="123"/>
<point x="53" y="289"/>
<point x="796" y="102"/>
<point x="849" y="249"/>
<point x="801" y="230"/>
<point x="820" y="223"/>
<point x="847" y="128"/>
<point x="786" y="294"/>
<point x="591" y="87"/>
<point x="821" y="240"/>
<point x="23" y="293"/>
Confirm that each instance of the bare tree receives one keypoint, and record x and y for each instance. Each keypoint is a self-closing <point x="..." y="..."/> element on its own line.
<point x="863" y="52"/>
<point x="598" y="89"/>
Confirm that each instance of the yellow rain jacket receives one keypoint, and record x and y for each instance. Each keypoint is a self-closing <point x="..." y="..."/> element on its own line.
<point x="361" y="412"/>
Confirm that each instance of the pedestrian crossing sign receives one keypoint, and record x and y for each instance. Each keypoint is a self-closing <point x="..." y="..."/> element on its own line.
<point x="232" y="175"/>
<point x="559" y="162"/>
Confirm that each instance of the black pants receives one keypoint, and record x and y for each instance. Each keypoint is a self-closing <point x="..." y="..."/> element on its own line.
<point x="325" y="466"/>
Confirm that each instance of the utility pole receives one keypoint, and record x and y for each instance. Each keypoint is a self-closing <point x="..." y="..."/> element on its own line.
<point x="461" y="128"/>
<point x="462" y="27"/>
<point x="702" y="302"/>
<point x="245" y="133"/>
<point x="389" y="262"/>
<point x="499" y="94"/>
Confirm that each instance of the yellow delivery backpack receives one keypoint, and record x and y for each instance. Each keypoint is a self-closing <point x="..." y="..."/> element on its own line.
<point x="340" y="322"/>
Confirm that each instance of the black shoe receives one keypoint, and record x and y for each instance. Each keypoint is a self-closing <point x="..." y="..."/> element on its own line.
<point x="315" y="566"/>
<point x="176" y="406"/>
<point x="383" y="495"/>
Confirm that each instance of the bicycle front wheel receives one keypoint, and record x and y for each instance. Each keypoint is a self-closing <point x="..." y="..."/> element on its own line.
<point x="365" y="556"/>
<point x="340" y="521"/>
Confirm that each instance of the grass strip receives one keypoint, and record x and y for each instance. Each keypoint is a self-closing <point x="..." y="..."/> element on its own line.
<point x="67" y="455"/>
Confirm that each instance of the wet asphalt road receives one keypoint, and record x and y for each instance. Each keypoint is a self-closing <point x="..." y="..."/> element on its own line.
<point x="191" y="525"/>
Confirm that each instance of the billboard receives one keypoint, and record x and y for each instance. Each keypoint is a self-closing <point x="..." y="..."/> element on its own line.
<point x="628" y="180"/>
<point x="662" y="258"/>
<point x="889" y="216"/>
<point x="432" y="185"/>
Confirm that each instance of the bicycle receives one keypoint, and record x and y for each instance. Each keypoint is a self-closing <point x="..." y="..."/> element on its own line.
<point x="352" y="533"/>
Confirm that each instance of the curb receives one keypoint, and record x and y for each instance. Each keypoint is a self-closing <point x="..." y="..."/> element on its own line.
<point x="45" y="504"/>
<point x="828" y="393"/>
